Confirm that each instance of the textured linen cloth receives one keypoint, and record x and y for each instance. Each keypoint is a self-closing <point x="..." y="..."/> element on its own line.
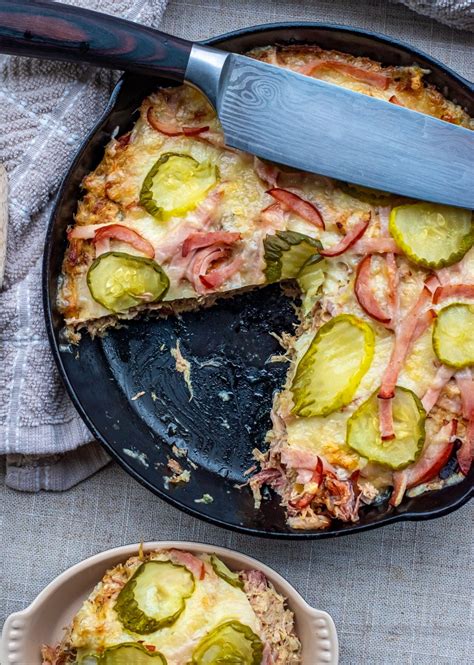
<point x="458" y="13"/>
<point x="47" y="109"/>
<point x="401" y="595"/>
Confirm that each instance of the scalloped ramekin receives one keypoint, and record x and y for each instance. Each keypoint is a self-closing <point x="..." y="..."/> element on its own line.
<point x="43" y="622"/>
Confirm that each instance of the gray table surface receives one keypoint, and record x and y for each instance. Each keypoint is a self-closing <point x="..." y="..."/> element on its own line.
<point x="401" y="595"/>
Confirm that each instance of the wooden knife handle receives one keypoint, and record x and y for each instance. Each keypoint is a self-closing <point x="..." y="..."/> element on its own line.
<point x="56" y="31"/>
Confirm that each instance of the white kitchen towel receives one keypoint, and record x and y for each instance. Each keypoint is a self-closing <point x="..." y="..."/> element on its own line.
<point x="47" y="108"/>
<point x="457" y="13"/>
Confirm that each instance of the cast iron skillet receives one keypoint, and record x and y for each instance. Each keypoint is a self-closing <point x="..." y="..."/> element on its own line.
<point x="229" y="345"/>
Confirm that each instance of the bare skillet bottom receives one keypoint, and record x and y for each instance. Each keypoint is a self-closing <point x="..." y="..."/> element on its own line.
<point x="229" y="345"/>
<point x="44" y="620"/>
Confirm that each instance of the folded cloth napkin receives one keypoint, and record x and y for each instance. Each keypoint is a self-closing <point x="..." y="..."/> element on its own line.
<point x="456" y="13"/>
<point x="46" y="109"/>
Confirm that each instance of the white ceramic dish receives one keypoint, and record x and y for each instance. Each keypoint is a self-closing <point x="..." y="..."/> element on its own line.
<point x="44" y="620"/>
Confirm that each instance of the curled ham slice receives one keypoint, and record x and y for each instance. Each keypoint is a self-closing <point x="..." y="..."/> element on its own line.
<point x="202" y="239"/>
<point x="443" y="375"/>
<point x="453" y="291"/>
<point x="434" y="457"/>
<point x="274" y="216"/>
<point x="404" y="337"/>
<point x="267" y="658"/>
<point x="376" y="246"/>
<point x="394" y="100"/>
<point x="266" y="172"/>
<point x="349" y="239"/>
<point x="101" y="233"/>
<point x="365" y="294"/>
<point x="191" y="562"/>
<point x="465" y="384"/>
<point x="170" y="128"/>
<point x="316" y="478"/>
<point x="217" y="276"/>
<point x="298" y="205"/>
<point x="376" y="79"/>
<point x="124" y="234"/>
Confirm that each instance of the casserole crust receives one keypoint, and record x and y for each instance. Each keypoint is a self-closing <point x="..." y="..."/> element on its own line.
<point x="216" y="221"/>
<point x="219" y="596"/>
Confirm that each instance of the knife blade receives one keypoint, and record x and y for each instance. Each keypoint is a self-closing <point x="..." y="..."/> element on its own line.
<point x="269" y="111"/>
<point x="323" y="128"/>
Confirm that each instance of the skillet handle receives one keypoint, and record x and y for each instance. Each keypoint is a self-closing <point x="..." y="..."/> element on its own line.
<point x="56" y="31"/>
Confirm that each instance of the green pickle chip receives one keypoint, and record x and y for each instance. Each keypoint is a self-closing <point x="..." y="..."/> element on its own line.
<point x="287" y="252"/>
<point x="119" y="281"/>
<point x="431" y="235"/>
<point x="363" y="430"/>
<point x="175" y="184"/>
<point x="453" y="335"/>
<point x="154" y="596"/>
<point x="131" y="653"/>
<point x="225" y="573"/>
<point x="332" y="368"/>
<point x="231" y="642"/>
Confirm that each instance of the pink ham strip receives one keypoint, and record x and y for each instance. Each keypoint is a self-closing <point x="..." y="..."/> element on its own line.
<point x="465" y="384"/>
<point x="404" y="336"/>
<point x="202" y="239"/>
<point x="86" y="232"/>
<point x="443" y="375"/>
<point x="266" y="172"/>
<point x="273" y="216"/>
<point x="375" y="246"/>
<point x="435" y="455"/>
<point x="191" y="562"/>
<point x="351" y="237"/>
<point x="217" y="276"/>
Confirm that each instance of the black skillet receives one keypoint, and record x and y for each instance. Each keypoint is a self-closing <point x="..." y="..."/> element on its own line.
<point x="229" y="345"/>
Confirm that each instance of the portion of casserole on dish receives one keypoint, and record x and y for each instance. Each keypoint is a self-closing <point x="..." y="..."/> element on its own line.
<point x="170" y="607"/>
<point x="379" y="397"/>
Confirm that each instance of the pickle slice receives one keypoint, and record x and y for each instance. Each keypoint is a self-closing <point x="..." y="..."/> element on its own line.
<point x="230" y="642"/>
<point x="432" y="235"/>
<point x="154" y="596"/>
<point x="363" y="430"/>
<point x="453" y="335"/>
<point x="119" y="281"/>
<point x="176" y="184"/>
<point x="131" y="653"/>
<point x="286" y="252"/>
<point x="225" y="573"/>
<point x="375" y="197"/>
<point x="331" y="369"/>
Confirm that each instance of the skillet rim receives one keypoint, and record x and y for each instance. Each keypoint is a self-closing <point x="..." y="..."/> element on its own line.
<point x="48" y="299"/>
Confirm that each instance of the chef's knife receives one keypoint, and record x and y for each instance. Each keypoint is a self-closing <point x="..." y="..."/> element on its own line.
<point x="266" y="110"/>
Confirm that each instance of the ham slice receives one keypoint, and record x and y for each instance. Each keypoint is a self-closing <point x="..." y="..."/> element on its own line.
<point x="434" y="457"/>
<point x="366" y="296"/>
<point x="351" y="237"/>
<point x="191" y="562"/>
<point x="376" y="246"/>
<point x="215" y="277"/>
<point x="201" y="239"/>
<point x="170" y="128"/>
<point x="268" y="173"/>
<point x="453" y="291"/>
<point x="124" y="234"/>
<point x="404" y="337"/>
<point x="316" y="479"/>
<point x="304" y="209"/>
<point x="376" y="79"/>
<point x="465" y="384"/>
<point x="443" y="375"/>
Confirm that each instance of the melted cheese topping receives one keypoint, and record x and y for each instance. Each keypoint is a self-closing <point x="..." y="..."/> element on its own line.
<point x="214" y="601"/>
